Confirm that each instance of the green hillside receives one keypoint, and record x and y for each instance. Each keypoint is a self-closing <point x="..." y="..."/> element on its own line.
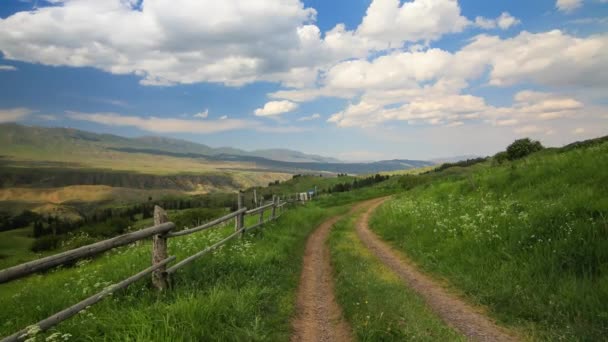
<point x="527" y="238"/>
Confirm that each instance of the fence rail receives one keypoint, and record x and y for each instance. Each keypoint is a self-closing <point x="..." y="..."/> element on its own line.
<point x="160" y="232"/>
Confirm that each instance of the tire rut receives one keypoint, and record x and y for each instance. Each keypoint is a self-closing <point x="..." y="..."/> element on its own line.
<point x="457" y="313"/>
<point x="318" y="315"/>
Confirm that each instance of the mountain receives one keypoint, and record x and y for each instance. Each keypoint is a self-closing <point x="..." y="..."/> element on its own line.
<point x="11" y="133"/>
<point x="67" y="146"/>
<point x="292" y="156"/>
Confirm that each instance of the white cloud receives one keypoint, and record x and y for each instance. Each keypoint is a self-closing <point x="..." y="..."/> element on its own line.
<point x="7" y="68"/>
<point x="163" y="125"/>
<point x="393" y="23"/>
<point x="223" y="117"/>
<point x="578" y="130"/>
<point x="504" y="22"/>
<point x="276" y="108"/>
<point x="14" y="114"/>
<point x="181" y="41"/>
<point x="165" y="41"/>
<point x="202" y="115"/>
<point x="551" y="58"/>
<point x="46" y="117"/>
<point x="568" y="5"/>
<point x="310" y="118"/>
<point x="507" y="122"/>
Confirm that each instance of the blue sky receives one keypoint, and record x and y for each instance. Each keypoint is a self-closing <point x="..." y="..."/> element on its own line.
<point x="358" y="80"/>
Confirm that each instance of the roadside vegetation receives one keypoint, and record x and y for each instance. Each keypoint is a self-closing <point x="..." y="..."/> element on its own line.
<point x="378" y="305"/>
<point x="244" y="291"/>
<point x="526" y="235"/>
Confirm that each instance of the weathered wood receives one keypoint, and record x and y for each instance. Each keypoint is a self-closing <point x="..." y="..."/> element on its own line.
<point x="258" y="209"/>
<point x="207" y="225"/>
<point x="255" y="197"/>
<point x="61" y="316"/>
<point x="240" y="219"/>
<point x="159" y="251"/>
<point x="209" y="249"/>
<point x="43" y="264"/>
<point x="273" y="214"/>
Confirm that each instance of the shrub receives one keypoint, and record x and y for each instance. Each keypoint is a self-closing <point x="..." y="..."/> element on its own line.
<point x="523" y="147"/>
<point x="46" y="243"/>
<point x="501" y="157"/>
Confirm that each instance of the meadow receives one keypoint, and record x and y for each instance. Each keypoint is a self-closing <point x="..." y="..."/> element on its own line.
<point x="243" y="291"/>
<point x="375" y="300"/>
<point x="527" y="238"/>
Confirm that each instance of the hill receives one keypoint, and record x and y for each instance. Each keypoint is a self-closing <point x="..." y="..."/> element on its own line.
<point x="42" y="167"/>
<point x="75" y="148"/>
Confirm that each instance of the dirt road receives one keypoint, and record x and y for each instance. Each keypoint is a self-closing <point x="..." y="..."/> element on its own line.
<point x="318" y="316"/>
<point x="470" y="321"/>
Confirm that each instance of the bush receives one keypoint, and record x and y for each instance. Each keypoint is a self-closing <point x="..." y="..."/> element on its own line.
<point x="46" y="243"/>
<point x="523" y="147"/>
<point x="501" y="157"/>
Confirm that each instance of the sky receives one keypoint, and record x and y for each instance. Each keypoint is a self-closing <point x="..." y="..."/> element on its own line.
<point x="352" y="79"/>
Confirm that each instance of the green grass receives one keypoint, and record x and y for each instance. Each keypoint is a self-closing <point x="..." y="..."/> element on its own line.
<point x="15" y="247"/>
<point x="528" y="239"/>
<point x="243" y="292"/>
<point x="375" y="300"/>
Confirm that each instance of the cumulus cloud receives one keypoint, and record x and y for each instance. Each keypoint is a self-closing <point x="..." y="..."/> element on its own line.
<point x="273" y="108"/>
<point x="164" y="41"/>
<point x="551" y="58"/>
<point x="568" y="5"/>
<point x="163" y="125"/>
<point x="429" y="85"/>
<point x="14" y="114"/>
<point x="393" y="23"/>
<point x="7" y="68"/>
<point x="504" y="22"/>
<point x="202" y="115"/>
<point x="176" y="41"/>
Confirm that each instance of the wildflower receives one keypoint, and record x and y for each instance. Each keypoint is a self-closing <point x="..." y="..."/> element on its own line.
<point x="53" y="336"/>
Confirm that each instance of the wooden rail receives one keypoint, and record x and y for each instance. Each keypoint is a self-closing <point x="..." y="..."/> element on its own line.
<point x="71" y="311"/>
<point x="44" y="264"/>
<point x="160" y="232"/>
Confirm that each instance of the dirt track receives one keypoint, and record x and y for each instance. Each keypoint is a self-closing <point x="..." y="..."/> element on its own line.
<point x="454" y="311"/>
<point x="318" y="316"/>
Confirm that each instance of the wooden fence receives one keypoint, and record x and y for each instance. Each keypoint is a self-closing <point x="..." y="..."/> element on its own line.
<point x="160" y="232"/>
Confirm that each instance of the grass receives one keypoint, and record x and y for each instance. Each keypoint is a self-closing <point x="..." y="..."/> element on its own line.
<point x="528" y="239"/>
<point x="244" y="291"/>
<point x="375" y="300"/>
<point x="15" y="247"/>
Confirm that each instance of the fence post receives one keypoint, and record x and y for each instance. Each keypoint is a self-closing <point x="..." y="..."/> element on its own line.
<point x="261" y="219"/>
<point x="274" y="207"/>
<point x="255" y="197"/>
<point x="240" y="219"/>
<point x="159" y="251"/>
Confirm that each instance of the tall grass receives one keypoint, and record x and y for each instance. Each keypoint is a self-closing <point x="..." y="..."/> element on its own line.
<point x="376" y="302"/>
<point x="242" y="292"/>
<point x="528" y="239"/>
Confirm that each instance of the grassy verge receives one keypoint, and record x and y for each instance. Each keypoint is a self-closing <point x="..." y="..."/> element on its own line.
<point x="375" y="301"/>
<point x="528" y="239"/>
<point x="244" y="291"/>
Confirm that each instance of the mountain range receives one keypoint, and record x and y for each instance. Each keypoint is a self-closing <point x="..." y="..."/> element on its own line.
<point x="62" y="144"/>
